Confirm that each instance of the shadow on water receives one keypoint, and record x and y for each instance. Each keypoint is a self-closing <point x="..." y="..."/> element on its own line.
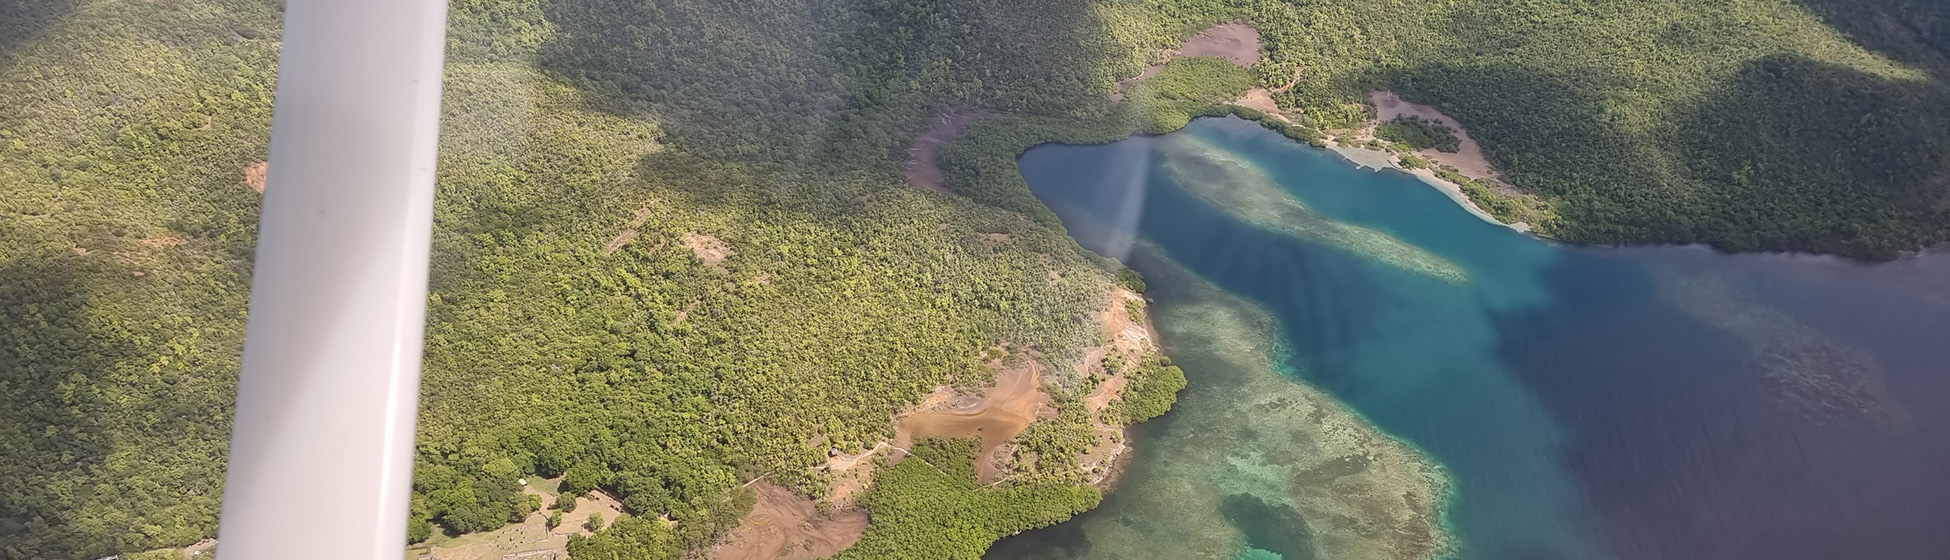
<point x="1545" y="133"/>
<point x="1696" y="441"/>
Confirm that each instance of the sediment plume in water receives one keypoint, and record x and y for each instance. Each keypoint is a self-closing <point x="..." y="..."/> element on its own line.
<point x="1255" y="463"/>
<point x="1243" y="189"/>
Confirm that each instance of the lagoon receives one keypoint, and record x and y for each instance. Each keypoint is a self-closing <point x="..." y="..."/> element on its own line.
<point x="1562" y="402"/>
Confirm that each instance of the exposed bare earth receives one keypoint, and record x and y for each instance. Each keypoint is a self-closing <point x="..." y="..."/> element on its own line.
<point x="1239" y="43"/>
<point x="200" y="550"/>
<point x="1261" y="99"/>
<point x="995" y="415"/>
<point x="162" y="242"/>
<point x="1468" y="160"/>
<point x="531" y="539"/>
<point x="1149" y="71"/>
<point x="619" y="241"/>
<point x="923" y="169"/>
<point x="1236" y="42"/>
<point x="628" y="234"/>
<point x="256" y="174"/>
<point x="1127" y="340"/>
<point x="786" y="525"/>
<point x="711" y="250"/>
<point x="1379" y="159"/>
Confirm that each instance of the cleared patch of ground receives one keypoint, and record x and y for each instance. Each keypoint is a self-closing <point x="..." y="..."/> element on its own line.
<point x="201" y="550"/>
<point x="256" y="174"/>
<point x="629" y="233"/>
<point x="921" y="166"/>
<point x="785" y="525"/>
<point x="162" y="242"/>
<point x="1261" y="99"/>
<point x="1124" y="84"/>
<point x="619" y="241"/>
<point x="711" y="250"/>
<point x="1468" y="159"/>
<point x="1235" y="42"/>
<point x="995" y="415"/>
<point x="1127" y="340"/>
<point x="531" y="539"/>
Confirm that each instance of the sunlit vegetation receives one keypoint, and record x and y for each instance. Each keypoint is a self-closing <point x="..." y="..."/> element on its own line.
<point x="1509" y="208"/>
<point x="929" y="506"/>
<point x="1049" y="448"/>
<point x="125" y="244"/>
<point x="574" y="330"/>
<point x="629" y="538"/>
<point x="1153" y="387"/>
<point x="1746" y="124"/>
<point x="1196" y="78"/>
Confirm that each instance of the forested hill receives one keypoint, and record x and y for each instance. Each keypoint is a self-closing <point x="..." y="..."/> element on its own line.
<point x="673" y="250"/>
<point x="1746" y="124"/>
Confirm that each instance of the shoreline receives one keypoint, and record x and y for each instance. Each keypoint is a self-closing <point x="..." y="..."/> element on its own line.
<point x="1380" y="160"/>
<point x="1210" y="457"/>
<point x="1433" y="484"/>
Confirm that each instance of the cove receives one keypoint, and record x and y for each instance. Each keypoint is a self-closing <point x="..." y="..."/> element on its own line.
<point x="1565" y="402"/>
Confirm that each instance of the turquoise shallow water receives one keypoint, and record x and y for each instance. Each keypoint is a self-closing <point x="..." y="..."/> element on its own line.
<point x="1586" y="403"/>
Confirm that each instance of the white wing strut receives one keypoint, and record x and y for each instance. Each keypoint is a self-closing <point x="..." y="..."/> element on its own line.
<point x="321" y="458"/>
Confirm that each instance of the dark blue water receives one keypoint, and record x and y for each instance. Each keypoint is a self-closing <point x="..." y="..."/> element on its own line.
<point x="1645" y="403"/>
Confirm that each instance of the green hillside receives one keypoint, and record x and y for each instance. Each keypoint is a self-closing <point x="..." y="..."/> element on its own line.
<point x="1745" y="124"/>
<point x="674" y="250"/>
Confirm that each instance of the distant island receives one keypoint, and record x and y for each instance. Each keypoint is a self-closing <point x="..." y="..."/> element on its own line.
<point x="762" y="280"/>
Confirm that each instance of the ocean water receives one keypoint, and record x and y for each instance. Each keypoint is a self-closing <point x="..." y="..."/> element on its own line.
<point x="1655" y="403"/>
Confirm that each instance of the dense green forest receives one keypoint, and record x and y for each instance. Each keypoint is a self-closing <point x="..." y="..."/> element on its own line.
<point x="928" y="506"/>
<point x="674" y="252"/>
<point x="1746" y="124"/>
